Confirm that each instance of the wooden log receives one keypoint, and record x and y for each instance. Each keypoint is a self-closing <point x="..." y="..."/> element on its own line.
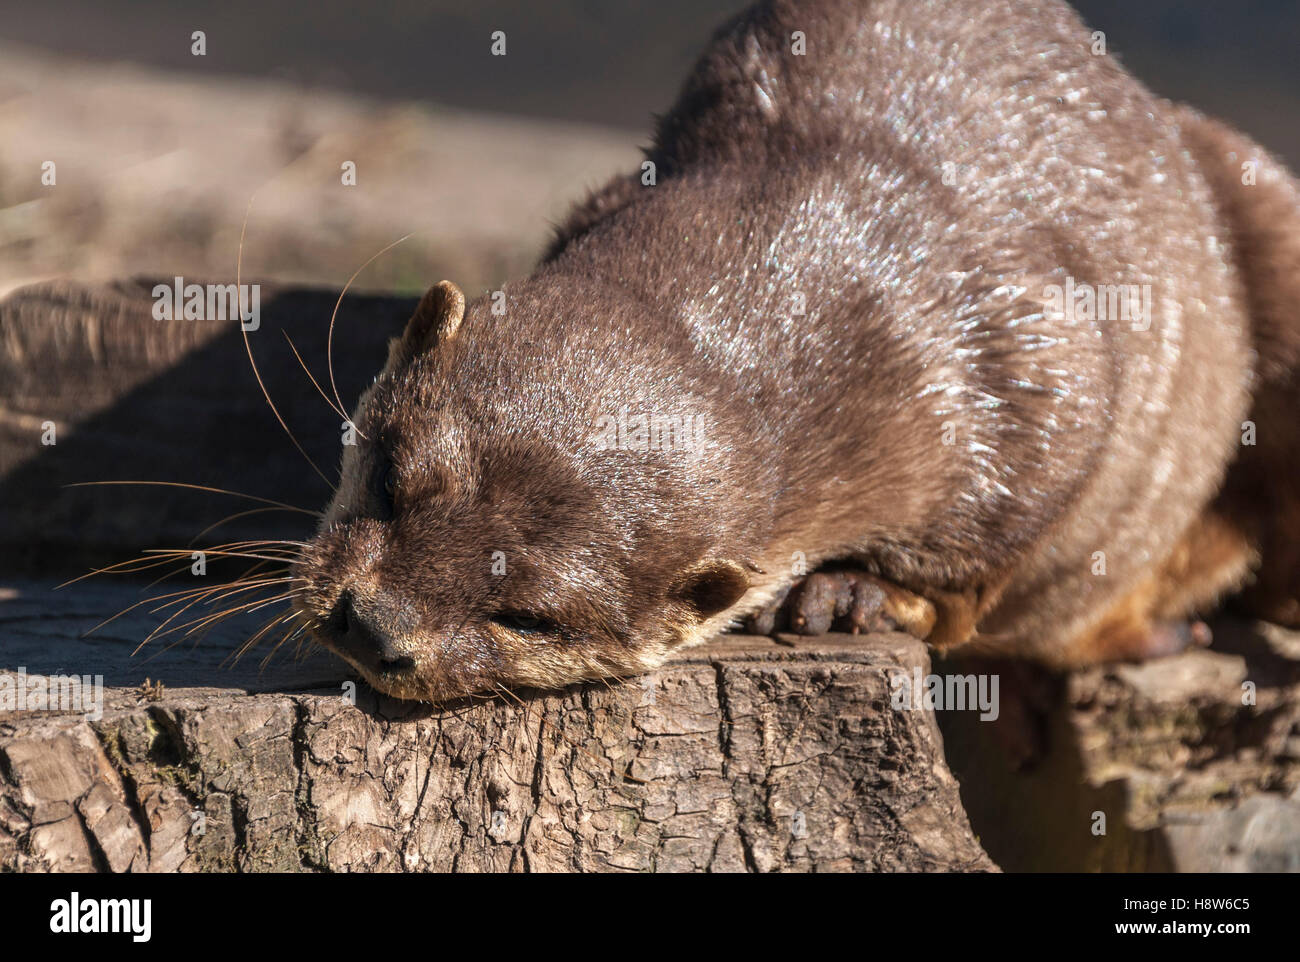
<point x="744" y="755"/>
<point x="1184" y="764"/>
<point x="134" y="398"/>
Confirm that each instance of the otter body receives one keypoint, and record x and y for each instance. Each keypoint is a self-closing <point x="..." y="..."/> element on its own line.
<point x="859" y="272"/>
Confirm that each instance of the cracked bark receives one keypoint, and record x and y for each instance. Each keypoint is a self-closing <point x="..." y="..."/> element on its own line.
<point x="809" y="769"/>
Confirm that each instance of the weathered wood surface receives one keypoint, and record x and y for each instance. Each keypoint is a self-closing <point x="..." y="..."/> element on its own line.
<point x="143" y="186"/>
<point x="1194" y="762"/>
<point x="134" y="398"/>
<point x="745" y="755"/>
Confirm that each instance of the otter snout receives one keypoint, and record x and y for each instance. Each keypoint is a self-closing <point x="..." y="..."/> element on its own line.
<point x="370" y="633"/>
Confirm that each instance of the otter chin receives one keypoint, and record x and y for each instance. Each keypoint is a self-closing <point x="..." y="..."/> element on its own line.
<point x="940" y="305"/>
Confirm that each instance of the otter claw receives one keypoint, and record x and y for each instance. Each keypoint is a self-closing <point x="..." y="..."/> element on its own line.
<point x="845" y="600"/>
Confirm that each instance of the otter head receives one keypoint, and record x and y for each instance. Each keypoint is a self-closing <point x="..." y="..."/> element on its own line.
<point x="480" y="539"/>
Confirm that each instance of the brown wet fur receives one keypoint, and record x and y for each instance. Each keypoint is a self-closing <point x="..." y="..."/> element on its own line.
<point x="872" y="350"/>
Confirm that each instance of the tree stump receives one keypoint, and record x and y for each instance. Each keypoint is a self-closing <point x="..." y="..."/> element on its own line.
<point x="740" y="756"/>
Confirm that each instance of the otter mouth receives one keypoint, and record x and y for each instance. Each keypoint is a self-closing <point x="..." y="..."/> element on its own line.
<point x="396" y="677"/>
<point x="397" y="666"/>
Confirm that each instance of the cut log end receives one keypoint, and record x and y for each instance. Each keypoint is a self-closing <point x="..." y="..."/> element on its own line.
<point x="742" y="755"/>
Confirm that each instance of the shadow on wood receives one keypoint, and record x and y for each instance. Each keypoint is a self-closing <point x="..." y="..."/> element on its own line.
<point x="134" y="398"/>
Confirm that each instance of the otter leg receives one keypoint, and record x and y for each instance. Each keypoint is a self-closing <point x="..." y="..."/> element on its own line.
<point x="1212" y="558"/>
<point x="846" y="600"/>
<point x="1127" y="634"/>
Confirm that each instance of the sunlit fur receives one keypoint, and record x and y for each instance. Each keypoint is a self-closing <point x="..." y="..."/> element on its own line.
<point x="869" y="343"/>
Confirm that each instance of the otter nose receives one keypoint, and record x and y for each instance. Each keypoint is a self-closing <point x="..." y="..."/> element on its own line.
<point x="365" y="633"/>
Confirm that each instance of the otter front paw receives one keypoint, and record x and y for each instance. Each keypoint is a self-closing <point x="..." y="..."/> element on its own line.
<point x="845" y="600"/>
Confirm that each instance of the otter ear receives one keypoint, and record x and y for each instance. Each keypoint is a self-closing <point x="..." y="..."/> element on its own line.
<point x="712" y="587"/>
<point x="436" y="319"/>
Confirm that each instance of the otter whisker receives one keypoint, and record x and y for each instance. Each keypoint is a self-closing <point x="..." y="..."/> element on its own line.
<point x="329" y="338"/>
<point x="175" y="552"/>
<point x="319" y="390"/>
<point x="141" y="564"/>
<point x="197" y="634"/>
<point x="186" y="567"/>
<point x="292" y="547"/>
<point x="277" y="598"/>
<point x="221" y="591"/>
<point x="183" y="568"/>
<point x="203" y="598"/>
<point x="256" y="637"/>
<point x="306" y="640"/>
<point x="289" y="550"/>
<point x="186" y="592"/>
<point x="292" y="632"/>
<point x="171" y="574"/>
<point x="248" y="347"/>
<point x="199" y="487"/>
<point x="232" y="517"/>
<point x="218" y="592"/>
<point x="146" y="563"/>
<point x="214" y="618"/>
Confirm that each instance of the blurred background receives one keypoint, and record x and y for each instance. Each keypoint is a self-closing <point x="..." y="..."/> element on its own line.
<point x="158" y="152"/>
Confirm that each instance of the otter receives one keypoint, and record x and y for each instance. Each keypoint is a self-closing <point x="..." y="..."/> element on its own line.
<point x="921" y="315"/>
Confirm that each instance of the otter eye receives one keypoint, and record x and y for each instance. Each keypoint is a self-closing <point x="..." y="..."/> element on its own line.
<point x="383" y="483"/>
<point x="524" y="622"/>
